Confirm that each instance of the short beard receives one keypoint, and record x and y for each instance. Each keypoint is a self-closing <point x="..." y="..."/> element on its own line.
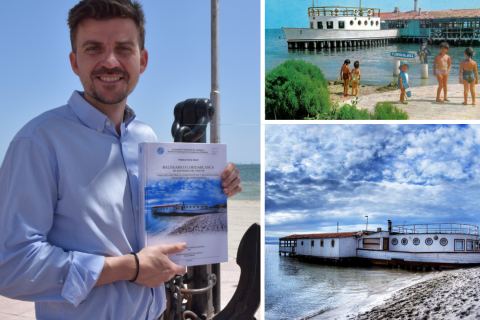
<point x="104" y="100"/>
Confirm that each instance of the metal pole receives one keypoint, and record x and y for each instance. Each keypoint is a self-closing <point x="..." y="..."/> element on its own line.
<point x="366" y="227"/>
<point x="214" y="125"/>
<point x="215" y="91"/>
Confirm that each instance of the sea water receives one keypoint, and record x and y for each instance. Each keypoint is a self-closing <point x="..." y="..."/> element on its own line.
<point x="300" y="290"/>
<point x="250" y="175"/>
<point x="376" y="63"/>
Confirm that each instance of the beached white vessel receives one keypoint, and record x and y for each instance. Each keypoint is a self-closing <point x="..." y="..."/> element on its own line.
<point x="443" y="245"/>
<point x="337" y="26"/>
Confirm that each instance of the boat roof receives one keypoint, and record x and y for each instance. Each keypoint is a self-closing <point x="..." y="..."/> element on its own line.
<point x="430" y="15"/>
<point x="322" y="235"/>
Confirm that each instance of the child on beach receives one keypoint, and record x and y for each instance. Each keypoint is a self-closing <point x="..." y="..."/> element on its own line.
<point x="403" y="83"/>
<point x="356" y="74"/>
<point x="469" y="75"/>
<point x="441" y="69"/>
<point x="345" y="76"/>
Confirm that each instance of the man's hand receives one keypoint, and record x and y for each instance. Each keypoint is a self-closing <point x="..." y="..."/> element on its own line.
<point x="155" y="266"/>
<point x="231" y="180"/>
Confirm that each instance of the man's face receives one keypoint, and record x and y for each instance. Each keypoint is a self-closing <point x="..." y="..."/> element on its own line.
<point x="108" y="59"/>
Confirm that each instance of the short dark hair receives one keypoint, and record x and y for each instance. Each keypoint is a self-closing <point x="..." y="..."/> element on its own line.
<point x="444" y="45"/>
<point x="107" y="9"/>
<point x="346" y="61"/>
<point x="356" y="64"/>
<point x="469" y="52"/>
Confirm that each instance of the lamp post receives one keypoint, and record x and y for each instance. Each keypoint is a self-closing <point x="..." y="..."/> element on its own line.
<point x="366" y="227"/>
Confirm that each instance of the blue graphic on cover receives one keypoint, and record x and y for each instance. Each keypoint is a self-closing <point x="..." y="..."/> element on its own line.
<point x="183" y="200"/>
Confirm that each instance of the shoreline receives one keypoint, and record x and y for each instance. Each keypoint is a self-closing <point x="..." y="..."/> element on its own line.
<point x="453" y="294"/>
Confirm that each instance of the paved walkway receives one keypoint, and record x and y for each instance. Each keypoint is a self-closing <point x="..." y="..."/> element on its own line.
<point x="422" y="105"/>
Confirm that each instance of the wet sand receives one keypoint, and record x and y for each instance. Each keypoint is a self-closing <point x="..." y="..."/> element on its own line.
<point x="447" y="295"/>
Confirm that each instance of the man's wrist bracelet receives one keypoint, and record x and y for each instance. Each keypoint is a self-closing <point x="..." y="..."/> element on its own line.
<point x="137" y="264"/>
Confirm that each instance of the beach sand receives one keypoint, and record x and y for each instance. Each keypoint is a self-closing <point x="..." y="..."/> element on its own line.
<point x="422" y="105"/>
<point x="335" y="88"/>
<point x="447" y="295"/>
<point x="241" y="214"/>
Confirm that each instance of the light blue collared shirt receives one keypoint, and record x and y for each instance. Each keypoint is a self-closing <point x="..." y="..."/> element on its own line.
<point x="69" y="198"/>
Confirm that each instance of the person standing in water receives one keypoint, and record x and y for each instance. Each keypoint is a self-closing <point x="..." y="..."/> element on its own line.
<point x="441" y="69"/>
<point x="469" y="75"/>
<point x="345" y="76"/>
<point x="356" y="74"/>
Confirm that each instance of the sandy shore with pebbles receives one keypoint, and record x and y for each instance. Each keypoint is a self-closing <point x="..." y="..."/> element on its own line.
<point x="447" y="295"/>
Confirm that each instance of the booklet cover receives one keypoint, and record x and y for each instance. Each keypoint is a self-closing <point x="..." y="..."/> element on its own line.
<point x="183" y="199"/>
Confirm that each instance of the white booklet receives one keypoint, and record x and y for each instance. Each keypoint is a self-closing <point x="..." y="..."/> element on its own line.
<point x="183" y="199"/>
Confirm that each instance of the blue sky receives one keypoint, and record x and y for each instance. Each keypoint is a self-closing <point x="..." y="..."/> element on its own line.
<point x="293" y="13"/>
<point x="36" y="74"/>
<point x="318" y="175"/>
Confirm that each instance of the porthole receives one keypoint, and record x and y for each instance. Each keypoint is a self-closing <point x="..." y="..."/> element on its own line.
<point x="394" y="241"/>
<point x="404" y="241"/>
<point x="366" y="22"/>
<point x="376" y="23"/>
<point x="371" y="23"/>
<point x="359" y="22"/>
<point x="443" y="241"/>
<point x="416" y="241"/>
<point x="435" y="238"/>
<point x="429" y="241"/>
<point x="351" y="22"/>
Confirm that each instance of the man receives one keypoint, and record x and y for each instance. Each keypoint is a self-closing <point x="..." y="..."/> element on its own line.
<point x="71" y="228"/>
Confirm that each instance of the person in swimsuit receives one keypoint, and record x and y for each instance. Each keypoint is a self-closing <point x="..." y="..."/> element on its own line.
<point x="403" y="83"/>
<point x="356" y="74"/>
<point x="441" y="69"/>
<point x="345" y="76"/>
<point x="469" y="75"/>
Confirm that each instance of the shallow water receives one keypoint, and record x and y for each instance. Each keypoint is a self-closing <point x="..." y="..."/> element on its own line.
<point x="376" y="63"/>
<point x="295" y="289"/>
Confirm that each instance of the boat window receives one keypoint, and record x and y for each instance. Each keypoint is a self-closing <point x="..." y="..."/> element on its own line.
<point x="376" y="23"/>
<point x="394" y="241"/>
<point x="416" y="241"/>
<point x="319" y="25"/>
<point x="371" y="23"/>
<point x="404" y="241"/>
<point x="366" y="22"/>
<point x="329" y="24"/>
<point x="301" y="243"/>
<point x="351" y="22"/>
<point x="359" y="22"/>
<point x="443" y="241"/>
<point x="469" y="245"/>
<point x="435" y="238"/>
<point x="341" y="24"/>
<point x="459" y="245"/>
<point x="311" y="25"/>
<point x="333" y="243"/>
<point x="321" y="243"/>
<point x="429" y="241"/>
<point x="313" y="243"/>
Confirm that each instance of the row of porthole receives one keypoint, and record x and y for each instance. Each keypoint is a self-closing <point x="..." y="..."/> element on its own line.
<point x="365" y="23"/>
<point x="416" y="241"/>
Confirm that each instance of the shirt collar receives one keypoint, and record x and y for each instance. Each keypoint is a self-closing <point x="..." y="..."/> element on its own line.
<point x="91" y="116"/>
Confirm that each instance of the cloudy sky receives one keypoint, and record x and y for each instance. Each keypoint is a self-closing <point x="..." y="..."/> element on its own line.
<point x="318" y="175"/>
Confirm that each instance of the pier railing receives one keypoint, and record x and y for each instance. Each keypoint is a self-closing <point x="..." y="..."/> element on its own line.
<point x="339" y="11"/>
<point x="457" y="228"/>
